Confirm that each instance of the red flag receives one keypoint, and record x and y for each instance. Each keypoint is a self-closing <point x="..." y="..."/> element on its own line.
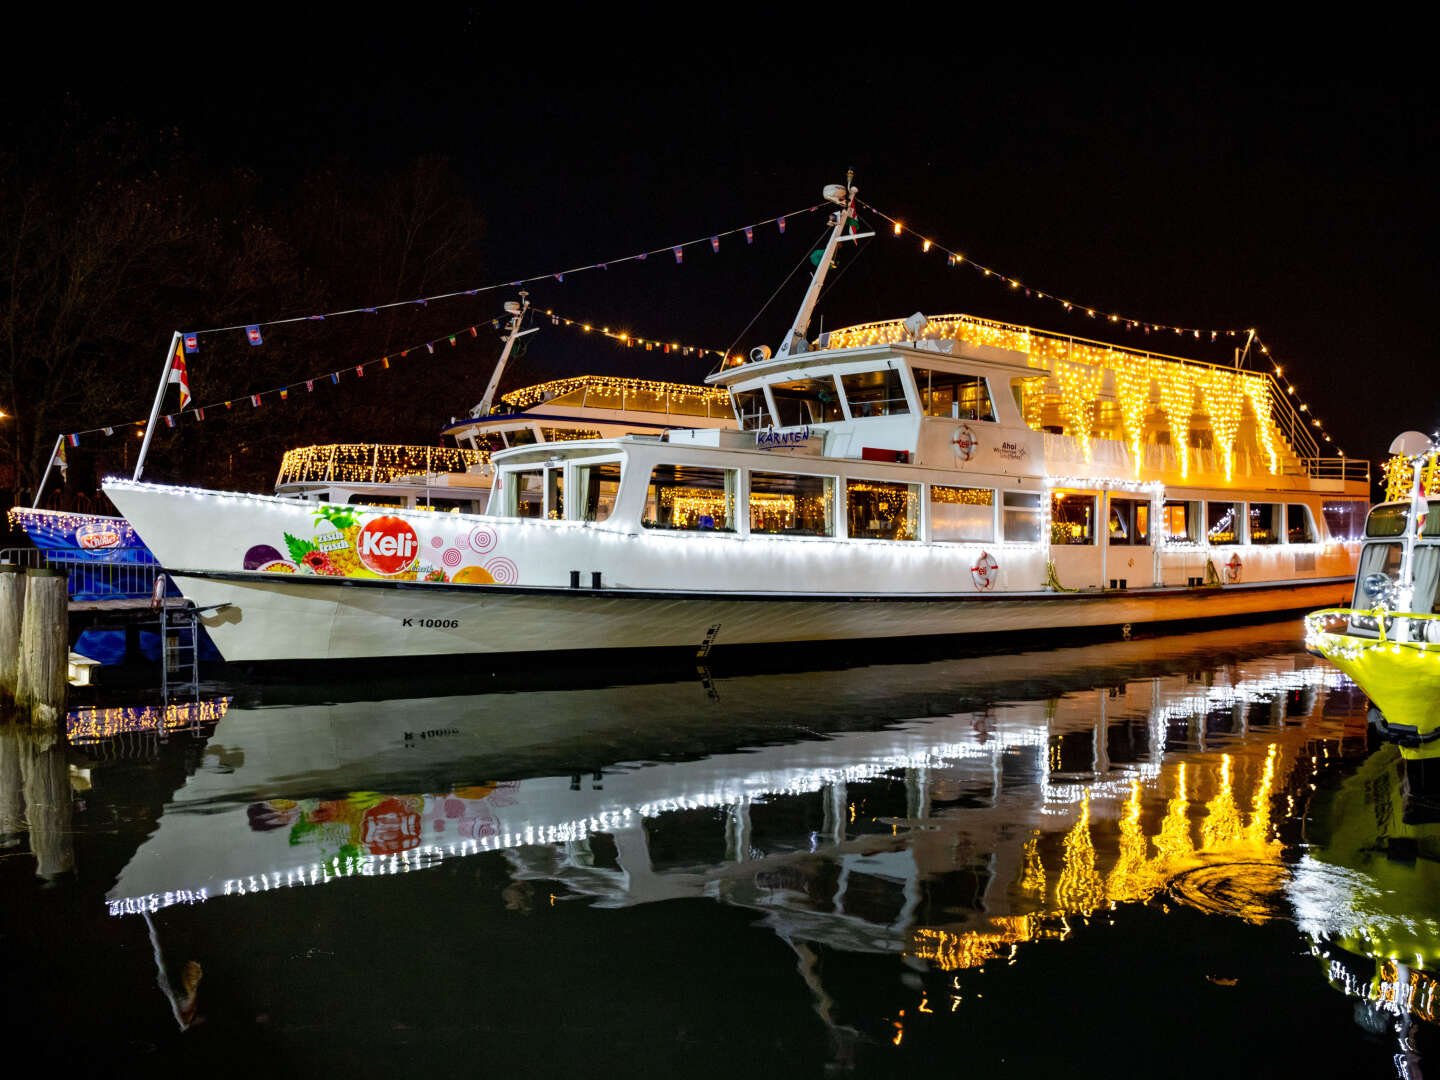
<point x="179" y="375"/>
<point x="360" y="370"/>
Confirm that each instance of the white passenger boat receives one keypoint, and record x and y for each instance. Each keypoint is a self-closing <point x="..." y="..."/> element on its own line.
<point x="947" y="476"/>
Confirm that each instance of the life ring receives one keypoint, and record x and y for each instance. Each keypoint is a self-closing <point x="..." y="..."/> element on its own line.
<point x="1232" y="568"/>
<point x="985" y="572"/>
<point x="964" y="442"/>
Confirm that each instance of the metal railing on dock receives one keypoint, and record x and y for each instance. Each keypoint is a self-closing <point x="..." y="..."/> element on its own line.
<point x="121" y="574"/>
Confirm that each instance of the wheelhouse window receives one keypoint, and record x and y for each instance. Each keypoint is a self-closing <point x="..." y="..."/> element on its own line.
<point x="962" y="514"/>
<point x="1181" y="521"/>
<point x="690" y="497"/>
<point x="1393" y="520"/>
<point x="596" y="488"/>
<point x="881" y="510"/>
<point x="786" y="505"/>
<point x="1072" y="518"/>
<point x="1222" y="522"/>
<point x="520" y="437"/>
<point x="1129" y="522"/>
<point x="1022" y="516"/>
<point x="1264" y="523"/>
<point x="960" y="397"/>
<point x="1299" y="525"/>
<point x="875" y="393"/>
<point x="1345" y="518"/>
<point x="806" y="401"/>
<point x="751" y="410"/>
<point x="525" y="493"/>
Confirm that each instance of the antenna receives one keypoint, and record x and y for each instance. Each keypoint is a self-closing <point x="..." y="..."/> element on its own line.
<point x="517" y="310"/>
<point x="843" y="196"/>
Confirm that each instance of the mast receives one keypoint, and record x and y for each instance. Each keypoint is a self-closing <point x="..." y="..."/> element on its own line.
<point x="844" y="198"/>
<point x="517" y="312"/>
<point x="155" y="409"/>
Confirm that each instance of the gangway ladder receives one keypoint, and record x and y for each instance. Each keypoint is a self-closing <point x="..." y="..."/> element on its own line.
<point x="179" y="643"/>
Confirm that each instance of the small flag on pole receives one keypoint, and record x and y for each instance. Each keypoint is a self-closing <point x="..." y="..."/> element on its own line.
<point x="192" y="343"/>
<point x="679" y="254"/>
<point x="781" y="223"/>
<point x="180" y="376"/>
<point x="715" y="244"/>
<point x="255" y="400"/>
<point x="252" y="335"/>
<point x="749" y="235"/>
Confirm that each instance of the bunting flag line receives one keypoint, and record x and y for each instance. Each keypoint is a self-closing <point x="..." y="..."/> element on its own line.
<point x="1147" y="326"/>
<point x="631" y="340"/>
<point x="748" y="230"/>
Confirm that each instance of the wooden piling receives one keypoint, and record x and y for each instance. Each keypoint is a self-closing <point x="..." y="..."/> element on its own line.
<point x="12" y="614"/>
<point x="43" y="682"/>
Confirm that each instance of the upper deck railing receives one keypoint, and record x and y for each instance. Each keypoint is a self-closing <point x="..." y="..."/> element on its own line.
<point x="1045" y="349"/>
<point x="374" y="463"/>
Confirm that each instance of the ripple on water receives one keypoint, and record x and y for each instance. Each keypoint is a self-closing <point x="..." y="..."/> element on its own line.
<point x="1253" y="891"/>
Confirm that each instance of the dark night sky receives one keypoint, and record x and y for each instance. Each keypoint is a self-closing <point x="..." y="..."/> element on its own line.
<point x="1267" y="185"/>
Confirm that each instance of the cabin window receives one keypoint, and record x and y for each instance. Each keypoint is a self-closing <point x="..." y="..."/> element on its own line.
<point x="1029" y="394"/>
<point x="962" y="514"/>
<point x="521" y="437"/>
<point x="1022" y="516"/>
<point x="1181" y="521"/>
<point x="525" y="494"/>
<point x="1129" y="522"/>
<point x="554" y="494"/>
<point x="960" y="397"/>
<point x="785" y="505"/>
<point x="682" y="404"/>
<point x="1222" y="522"/>
<point x="690" y="497"/>
<point x="447" y="506"/>
<point x="875" y="393"/>
<point x="751" y="410"/>
<point x="1345" y="518"/>
<point x="1072" y="518"/>
<point x="806" y="401"/>
<point x="368" y="500"/>
<point x="880" y="510"/>
<point x="596" y="488"/>
<point x="1299" y="525"/>
<point x="1264" y="523"/>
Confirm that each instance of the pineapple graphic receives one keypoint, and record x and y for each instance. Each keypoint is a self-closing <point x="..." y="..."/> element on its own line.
<point x="339" y="540"/>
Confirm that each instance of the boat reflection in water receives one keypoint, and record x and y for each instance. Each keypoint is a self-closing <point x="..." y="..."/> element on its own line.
<point x="964" y="817"/>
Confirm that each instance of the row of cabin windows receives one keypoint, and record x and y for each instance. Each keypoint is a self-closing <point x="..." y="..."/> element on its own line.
<point x="865" y="394"/>
<point x="692" y="497"/>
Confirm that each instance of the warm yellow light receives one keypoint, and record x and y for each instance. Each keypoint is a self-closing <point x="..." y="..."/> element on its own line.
<point x="926" y="246"/>
<point x="897" y="228"/>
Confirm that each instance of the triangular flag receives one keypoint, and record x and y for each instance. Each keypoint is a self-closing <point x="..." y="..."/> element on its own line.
<point x="59" y="460"/>
<point x="430" y="345"/>
<point x="385" y="362"/>
<point x="679" y="254"/>
<point x="252" y="335"/>
<point x="452" y="339"/>
<point x="715" y="244"/>
<point x="749" y="235"/>
<point x="781" y="223"/>
<point x="180" y="376"/>
<point x="360" y="370"/>
<point x="285" y="393"/>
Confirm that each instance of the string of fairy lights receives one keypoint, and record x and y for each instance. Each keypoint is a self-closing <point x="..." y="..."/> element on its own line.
<point x="955" y="258"/>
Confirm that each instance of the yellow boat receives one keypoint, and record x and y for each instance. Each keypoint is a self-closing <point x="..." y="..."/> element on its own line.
<point x="1388" y="640"/>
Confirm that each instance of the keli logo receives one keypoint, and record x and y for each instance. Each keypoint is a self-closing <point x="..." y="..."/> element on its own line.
<point x="387" y="545"/>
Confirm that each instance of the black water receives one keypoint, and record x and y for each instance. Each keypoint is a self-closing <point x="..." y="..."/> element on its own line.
<point x="1181" y="856"/>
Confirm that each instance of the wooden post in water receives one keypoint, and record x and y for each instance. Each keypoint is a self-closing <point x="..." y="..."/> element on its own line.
<point x="44" y="678"/>
<point x="12" y="613"/>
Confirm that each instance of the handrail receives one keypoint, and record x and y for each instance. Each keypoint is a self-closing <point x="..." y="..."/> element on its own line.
<point x="1316" y="619"/>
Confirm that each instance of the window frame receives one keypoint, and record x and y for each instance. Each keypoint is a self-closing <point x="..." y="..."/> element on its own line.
<point x="930" y="514"/>
<point x="747" y="491"/>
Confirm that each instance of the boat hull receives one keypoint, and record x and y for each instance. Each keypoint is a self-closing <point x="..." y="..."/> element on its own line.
<point x="257" y="618"/>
